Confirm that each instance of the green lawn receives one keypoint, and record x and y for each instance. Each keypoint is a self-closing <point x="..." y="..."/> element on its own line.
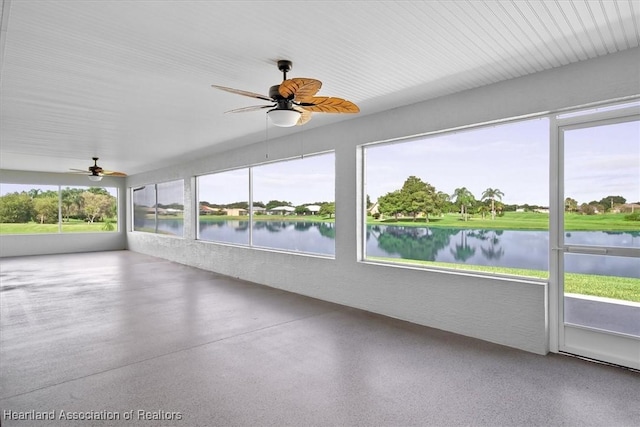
<point x="622" y="288"/>
<point x="73" y="226"/>
<point x="522" y="221"/>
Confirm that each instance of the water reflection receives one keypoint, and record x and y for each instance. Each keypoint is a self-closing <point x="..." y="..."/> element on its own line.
<point x="463" y="251"/>
<point x="500" y="248"/>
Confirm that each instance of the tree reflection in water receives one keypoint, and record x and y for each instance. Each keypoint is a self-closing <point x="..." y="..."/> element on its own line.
<point x="418" y="243"/>
<point x="425" y="244"/>
<point x="463" y="251"/>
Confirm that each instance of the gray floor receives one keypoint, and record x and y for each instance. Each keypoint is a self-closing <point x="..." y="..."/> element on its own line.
<point x="121" y="332"/>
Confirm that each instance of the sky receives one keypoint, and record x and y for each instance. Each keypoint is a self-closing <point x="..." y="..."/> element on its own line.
<point x="603" y="161"/>
<point x="13" y="188"/>
<point x="300" y="181"/>
<point x="512" y="157"/>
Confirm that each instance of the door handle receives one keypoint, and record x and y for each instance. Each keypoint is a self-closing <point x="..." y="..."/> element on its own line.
<point x="586" y="250"/>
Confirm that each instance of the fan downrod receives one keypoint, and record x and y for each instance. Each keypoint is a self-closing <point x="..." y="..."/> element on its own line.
<point x="284" y="66"/>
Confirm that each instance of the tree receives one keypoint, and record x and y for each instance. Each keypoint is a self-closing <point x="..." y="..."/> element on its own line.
<point x="492" y="194"/>
<point x="463" y="198"/>
<point x="238" y="205"/>
<point x="611" y="201"/>
<point x="98" y="190"/>
<point x="16" y="208"/>
<point x="443" y="202"/>
<point x="96" y="206"/>
<point x="328" y="209"/>
<point x="302" y="210"/>
<point x="72" y="203"/>
<point x="390" y="203"/>
<point x="46" y="209"/>
<point x="417" y="197"/>
<point x="587" y="209"/>
<point x="570" y="205"/>
<point x="482" y="210"/>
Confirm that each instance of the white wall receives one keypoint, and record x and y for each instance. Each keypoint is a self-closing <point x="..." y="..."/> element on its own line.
<point x="504" y="311"/>
<point x="43" y="244"/>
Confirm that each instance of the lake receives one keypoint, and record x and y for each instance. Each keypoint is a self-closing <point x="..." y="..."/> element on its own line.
<point x="502" y="248"/>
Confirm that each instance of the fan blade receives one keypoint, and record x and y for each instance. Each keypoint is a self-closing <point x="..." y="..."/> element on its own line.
<point x="79" y="171"/>
<point x="113" y="173"/>
<point x="326" y="104"/>
<point x="305" y="116"/>
<point x="252" y="108"/>
<point x="300" y="88"/>
<point x="243" y="92"/>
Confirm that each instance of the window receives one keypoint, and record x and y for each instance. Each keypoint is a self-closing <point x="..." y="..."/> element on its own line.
<point x="293" y="206"/>
<point x="474" y="199"/>
<point x="89" y="209"/>
<point x="144" y="212"/>
<point x="159" y="208"/>
<point x="170" y="206"/>
<point x="223" y="207"/>
<point x="29" y="208"/>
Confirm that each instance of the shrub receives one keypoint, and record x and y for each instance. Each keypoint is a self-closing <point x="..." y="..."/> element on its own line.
<point x="633" y="216"/>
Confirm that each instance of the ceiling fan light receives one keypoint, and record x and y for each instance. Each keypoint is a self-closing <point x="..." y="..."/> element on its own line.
<point x="284" y="118"/>
<point x="95" y="178"/>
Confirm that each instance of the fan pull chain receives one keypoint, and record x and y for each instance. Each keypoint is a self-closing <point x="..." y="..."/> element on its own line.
<point x="302" y="142"/>
<point x="266" y="133"/>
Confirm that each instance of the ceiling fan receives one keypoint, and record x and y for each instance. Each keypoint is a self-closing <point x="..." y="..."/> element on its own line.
<point x="96" y="172"/>
<point x="293" y="100"/>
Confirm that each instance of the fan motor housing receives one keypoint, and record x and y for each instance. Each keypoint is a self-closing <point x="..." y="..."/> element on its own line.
<point x="283" y="103"/>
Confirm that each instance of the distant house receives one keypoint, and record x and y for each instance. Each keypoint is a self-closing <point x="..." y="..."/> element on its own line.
<point x="163" y="211"/>
<point x="236" y="211"/>
<point x="374" y="209"/>
<point x="314" y="209"/>
<point x="207" y="210"/>
<point x="627" y="208"/>
<point x="281" y="210"/>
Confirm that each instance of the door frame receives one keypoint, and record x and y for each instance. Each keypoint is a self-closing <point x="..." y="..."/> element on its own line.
<point x="584" y="341"/>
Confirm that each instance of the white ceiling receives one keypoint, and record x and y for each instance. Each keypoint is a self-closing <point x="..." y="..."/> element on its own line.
<point x="130" y="81"/>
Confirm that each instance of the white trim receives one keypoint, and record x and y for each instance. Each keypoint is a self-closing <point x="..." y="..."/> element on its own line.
<point x="590" y="342"/>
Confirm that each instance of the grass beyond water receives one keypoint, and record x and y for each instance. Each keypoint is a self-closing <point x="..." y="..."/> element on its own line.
<point x="520" y="221"/>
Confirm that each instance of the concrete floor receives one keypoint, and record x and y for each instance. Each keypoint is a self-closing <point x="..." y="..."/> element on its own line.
<point x="120" y="332"/>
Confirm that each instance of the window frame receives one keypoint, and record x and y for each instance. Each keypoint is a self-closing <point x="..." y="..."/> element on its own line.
<point x="60" y="231"/>
<point x="155" y="205"/>
<point x="407" y="264"/>
<point x="250" y="216"/>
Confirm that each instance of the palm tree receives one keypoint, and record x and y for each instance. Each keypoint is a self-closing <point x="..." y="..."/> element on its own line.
<point x="464" y="198"/>
<point x="492" y="194"/>
<point x="482" y="210"/>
